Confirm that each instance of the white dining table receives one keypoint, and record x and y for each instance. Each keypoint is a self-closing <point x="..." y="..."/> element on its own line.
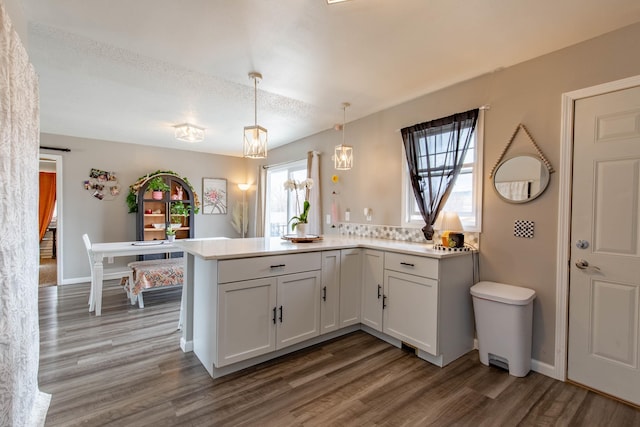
<point x="100" y="251"/>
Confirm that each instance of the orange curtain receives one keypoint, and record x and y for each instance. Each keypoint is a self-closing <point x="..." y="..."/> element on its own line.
<point x="47" y="200"/>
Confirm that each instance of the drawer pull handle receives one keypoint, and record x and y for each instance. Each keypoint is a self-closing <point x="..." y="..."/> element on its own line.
<point x="280" y="314"/>
<point x="324" y="293"/>
<point x="384" y="302"/>
<point x="277" y="266"/>
<point x="274" y="315"/>
<point x="379" y="291"/>
<point x="408" y="264"/>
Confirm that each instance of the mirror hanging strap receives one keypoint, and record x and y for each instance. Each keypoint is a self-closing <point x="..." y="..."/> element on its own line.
<point x="538" y="150"/>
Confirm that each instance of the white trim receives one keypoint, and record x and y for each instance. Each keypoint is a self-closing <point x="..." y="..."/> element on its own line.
<point x="564" y="214"/>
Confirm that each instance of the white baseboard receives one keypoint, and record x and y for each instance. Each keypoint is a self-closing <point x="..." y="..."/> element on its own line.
<point x="75" y="280"/>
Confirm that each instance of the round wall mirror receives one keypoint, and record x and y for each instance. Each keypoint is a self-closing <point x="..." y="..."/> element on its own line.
<point x="520" y="179"/>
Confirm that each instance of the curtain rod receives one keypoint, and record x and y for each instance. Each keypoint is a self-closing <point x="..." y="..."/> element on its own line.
<point x="275" y="165"/>
<point x="482" y="107"/>
<point x="66" y="150"/>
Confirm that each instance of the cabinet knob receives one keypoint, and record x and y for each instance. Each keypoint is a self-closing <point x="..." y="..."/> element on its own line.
<point x="324" y="293"/>
<point x="379" y="291"/>
<point x="280" y="314"/>
<point x="384" y="302"/>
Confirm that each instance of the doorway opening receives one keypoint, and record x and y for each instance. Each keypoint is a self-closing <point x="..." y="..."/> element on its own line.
<point x="50" y="169"/>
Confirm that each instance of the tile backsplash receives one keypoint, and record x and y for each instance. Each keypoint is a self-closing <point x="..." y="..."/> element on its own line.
<point x="406" y="234"/>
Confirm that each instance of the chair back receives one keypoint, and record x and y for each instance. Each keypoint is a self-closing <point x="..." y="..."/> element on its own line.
<point x="87" y="245"/>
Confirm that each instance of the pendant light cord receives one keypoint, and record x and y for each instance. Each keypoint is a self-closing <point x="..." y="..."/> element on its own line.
<point x="255" y="100"/>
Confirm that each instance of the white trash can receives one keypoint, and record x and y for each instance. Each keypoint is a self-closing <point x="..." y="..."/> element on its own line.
<point x="504" y="324"/>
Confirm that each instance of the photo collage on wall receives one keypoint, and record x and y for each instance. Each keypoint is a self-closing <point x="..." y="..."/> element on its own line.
<point x="102" y="184"/>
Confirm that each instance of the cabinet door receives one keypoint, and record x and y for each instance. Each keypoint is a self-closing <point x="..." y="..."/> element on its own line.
<point x="372" y="288"/>
<point x="350" y="286"/>
<point x="298" y="308"/>
<point x="330" y="292"/>
<point x="246" y="321"/>
<point x="411" y="310"/>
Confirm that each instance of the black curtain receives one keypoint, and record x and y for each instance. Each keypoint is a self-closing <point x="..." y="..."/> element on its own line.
<point x="435" y="154"/>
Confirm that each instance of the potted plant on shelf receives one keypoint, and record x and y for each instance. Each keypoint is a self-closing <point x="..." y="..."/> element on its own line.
<point x="178" y="211"/>
<point x="171" y="233"/>
<point x="158" y="187"/>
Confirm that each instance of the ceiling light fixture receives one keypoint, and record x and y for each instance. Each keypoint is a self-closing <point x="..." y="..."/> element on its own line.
<point x="343" y="157"/>
<point x="255" y="137"/>
<point x="189" y="133"/>
<point x="335" y="1"/>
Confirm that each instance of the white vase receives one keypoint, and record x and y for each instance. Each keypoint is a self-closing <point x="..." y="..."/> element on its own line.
<point x="301" y="229"/>
<point x="171" y="237"/>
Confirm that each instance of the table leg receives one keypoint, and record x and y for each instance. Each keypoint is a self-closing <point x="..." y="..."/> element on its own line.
<point x="98" y="271"/>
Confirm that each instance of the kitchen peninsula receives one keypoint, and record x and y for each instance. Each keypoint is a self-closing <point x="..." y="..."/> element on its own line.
<point x="250" y="300"/>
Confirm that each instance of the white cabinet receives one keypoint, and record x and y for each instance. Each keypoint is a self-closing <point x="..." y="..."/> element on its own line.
<point x="372" y="288"/>
<point x="246" y="319"/>
<point x="350" y="286"/>
<point x="427" y="304"/>
<point x="330" y="292"/>
<point x="265" y="304"/>
<point x="248" y="310"/>
<point x="298" y="308"/>
<point x="411" y="310"/>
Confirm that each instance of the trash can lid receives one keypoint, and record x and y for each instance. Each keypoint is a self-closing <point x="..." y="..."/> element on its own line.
<point x="508" y="294"/>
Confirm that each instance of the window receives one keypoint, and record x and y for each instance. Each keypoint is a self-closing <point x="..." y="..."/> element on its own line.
<point x="466" y="196"/>
<point x="280" y="203"/>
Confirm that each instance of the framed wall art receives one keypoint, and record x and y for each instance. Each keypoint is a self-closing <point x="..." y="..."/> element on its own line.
<point x="214" y="196"/>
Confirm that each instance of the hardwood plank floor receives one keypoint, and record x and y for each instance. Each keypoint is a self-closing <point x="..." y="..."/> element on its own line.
<point x="126" y="369"/>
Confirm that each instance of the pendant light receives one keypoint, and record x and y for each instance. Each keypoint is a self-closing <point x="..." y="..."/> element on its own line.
<point x="255" y="137"/>
<point x="343" y="157"/>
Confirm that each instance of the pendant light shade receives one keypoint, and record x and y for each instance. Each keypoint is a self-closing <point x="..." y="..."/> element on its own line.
<point x="343" y="156"/>
<point x="255" y="137"/>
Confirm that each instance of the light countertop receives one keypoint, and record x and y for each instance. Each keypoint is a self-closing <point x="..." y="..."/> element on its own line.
<point x="215" y="249"/>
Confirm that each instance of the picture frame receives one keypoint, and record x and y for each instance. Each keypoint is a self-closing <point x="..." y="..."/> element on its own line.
<point x="214" y="196"/>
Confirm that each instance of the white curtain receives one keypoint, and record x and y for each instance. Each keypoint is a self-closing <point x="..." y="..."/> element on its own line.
<point x="315" y="212"/>
<point x="261" y="201"/>
<point x="21" y="403"/>
<point x="513" y="190"/>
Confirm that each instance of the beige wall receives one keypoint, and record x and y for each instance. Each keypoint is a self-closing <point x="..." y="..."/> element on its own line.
<point x="108" y="221"/>
<point x="529" y="93"/>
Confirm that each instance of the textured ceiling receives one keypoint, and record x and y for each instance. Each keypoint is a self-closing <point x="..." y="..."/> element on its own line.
<point x="128" y="71"/>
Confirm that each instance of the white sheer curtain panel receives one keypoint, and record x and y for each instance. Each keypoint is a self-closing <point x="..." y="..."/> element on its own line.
<point x="21" y="402"/>
<point x="315" y="212"/>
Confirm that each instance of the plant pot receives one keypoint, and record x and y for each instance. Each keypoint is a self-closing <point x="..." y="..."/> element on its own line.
<point x="171" y="238"/>
<point x="301" y="229"/>
<point x="157" y="195"/>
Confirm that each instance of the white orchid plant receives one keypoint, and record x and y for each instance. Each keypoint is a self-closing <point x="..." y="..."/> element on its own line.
<point x="293" y="185"/>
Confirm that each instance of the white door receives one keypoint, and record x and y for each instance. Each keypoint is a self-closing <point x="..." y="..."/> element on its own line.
<point x="604" y="300"/>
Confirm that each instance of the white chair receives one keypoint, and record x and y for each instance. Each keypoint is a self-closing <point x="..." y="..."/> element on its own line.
<point x="107" y="272"/>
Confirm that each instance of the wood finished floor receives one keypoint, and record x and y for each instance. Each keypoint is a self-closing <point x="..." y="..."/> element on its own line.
<point x="126" y="369"/>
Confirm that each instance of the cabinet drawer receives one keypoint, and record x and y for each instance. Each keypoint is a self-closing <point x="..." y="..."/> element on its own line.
<point x="233" y="270"/>
<point x="411" y="264"/>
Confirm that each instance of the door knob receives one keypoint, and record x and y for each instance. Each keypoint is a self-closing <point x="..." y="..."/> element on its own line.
<point x="584" y="264"/>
